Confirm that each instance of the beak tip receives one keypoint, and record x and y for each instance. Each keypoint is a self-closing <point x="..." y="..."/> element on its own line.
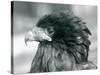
<point x="25" y="41"/>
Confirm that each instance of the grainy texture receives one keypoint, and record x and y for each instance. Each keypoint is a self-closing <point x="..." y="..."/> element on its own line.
<point x="26" y="15"/>
<point x="69" y="47"/>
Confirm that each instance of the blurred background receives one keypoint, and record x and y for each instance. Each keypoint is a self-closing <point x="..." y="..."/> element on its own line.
<point x="26" y="15"/>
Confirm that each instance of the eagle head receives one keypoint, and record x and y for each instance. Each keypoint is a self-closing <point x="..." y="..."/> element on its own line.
<point x="58" y="26"/>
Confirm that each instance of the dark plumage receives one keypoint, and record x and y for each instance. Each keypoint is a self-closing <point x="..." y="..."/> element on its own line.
<point x="64" y="43"/>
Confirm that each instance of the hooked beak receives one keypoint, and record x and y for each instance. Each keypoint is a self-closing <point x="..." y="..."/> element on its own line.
<point x="28" y="37"/>
<point x="37" y="35"/>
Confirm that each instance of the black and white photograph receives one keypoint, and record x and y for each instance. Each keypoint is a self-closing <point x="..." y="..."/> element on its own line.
<point x="53" y="37"/>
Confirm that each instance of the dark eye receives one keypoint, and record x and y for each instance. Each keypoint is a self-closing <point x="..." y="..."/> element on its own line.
<point x="50" y="30"/>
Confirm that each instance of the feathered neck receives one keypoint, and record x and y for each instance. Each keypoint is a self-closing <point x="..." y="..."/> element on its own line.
<point x="79" y="52"/>
<point x="57" y="44"/>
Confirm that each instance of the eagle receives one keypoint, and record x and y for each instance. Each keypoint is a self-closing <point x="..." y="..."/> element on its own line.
<point x="63" y="43"/>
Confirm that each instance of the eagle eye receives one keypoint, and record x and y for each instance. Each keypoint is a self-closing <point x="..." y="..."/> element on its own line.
<point x="50" y="30"/>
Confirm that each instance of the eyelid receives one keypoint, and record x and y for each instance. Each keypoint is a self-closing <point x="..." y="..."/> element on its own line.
<point x="50" y="29"/>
